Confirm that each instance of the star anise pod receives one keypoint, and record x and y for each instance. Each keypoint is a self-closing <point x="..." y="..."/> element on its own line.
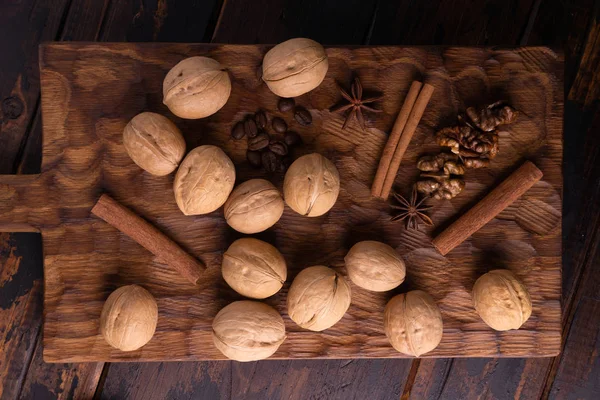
<point x="412" y="211"/>
<point x="356" y="104"/>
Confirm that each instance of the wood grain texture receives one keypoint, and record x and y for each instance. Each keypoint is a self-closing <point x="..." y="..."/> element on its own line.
<point x="79" y="165"/>
<point x="23" y="25"/>
<point x="20" y="308"/>
<point x="192" y="380"/>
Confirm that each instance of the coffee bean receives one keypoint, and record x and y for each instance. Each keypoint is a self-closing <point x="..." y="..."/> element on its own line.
<point x="250" y="127"/>
<point x="278" y="148"/>
<point x="238" y="131"/>
<point x="269" y="161"/>
<point x="254" y="158"/>
<point x="302" y="115"/>
<point x="279" y="125"/>
<point x="291" y="138"/>
<point x="285" y="163"/>
<point x="259" y="142"/>
<point x="261" y="119"/>
<point x="285" y="104"/>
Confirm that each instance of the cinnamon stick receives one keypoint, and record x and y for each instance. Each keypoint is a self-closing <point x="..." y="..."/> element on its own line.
<point x="488" y="208"/>
<point x="392" y="142"/>
<point x="148" y="236"/>
<point x="409" y="130"/>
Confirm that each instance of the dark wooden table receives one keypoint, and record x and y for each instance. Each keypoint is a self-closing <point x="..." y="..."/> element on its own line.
<point x="573" y="25"/>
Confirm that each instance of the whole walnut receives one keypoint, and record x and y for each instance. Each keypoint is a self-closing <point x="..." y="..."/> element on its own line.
<point x="254" y="268"/>
<point x="375" y="266"/>
<point x="248" y="331"/>
<point x="128" y="319"/>
<point x="501" y="300"/>
<point x="254" y="206"/>
<point x="318" y="298"/>
<point x="204" y="180"/>
<point x="294" y="67"/>
<point x="311" y="185"/>
<point x="154" y="143"/>
<point x="196" y="87"/>
<point x="413" y="323"/>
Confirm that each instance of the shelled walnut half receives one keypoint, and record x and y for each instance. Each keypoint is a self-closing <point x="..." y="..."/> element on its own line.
<point x="475" y="138"/>
<point x="441" y="176"/>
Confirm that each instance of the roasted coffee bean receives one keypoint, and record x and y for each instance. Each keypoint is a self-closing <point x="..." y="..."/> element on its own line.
<point x="285" y="104"/>
<point x="238" y="131"/>
<point x="279" y="125"/>
<point x="254" y="158"/>
<point x="302" y="115"/>
<point x="261" y="119"/>
<point x="278" y="148"/>
<point x="291" y="138"/>
<point x="285" y="163"/>
<point x="259" y="142"/>
<point x="250" y="127"/>
<point x="269" y="161"/>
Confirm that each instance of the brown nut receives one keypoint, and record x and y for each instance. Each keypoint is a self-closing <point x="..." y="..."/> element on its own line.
<point x="250" y="127"/>
<point x="253" y="206"/>
<point x="248" y="331"/>
<point x="311" y="185"/>
<point x="196" y="88"/>
<point x="302" y="116"/>
<point x="254" y="268"/>
<point x="375" y="266"/>
<point x="238" y="132"/>
<point x="259" y="142"/>
<point x="261" y="119"/>
<point x="501" y="300"/>
<point x="254" y="158"/>
<point x="154" y="143"/>
<point x="269" y="161"/>
<point x="413" y="323"/>
<point x="204" y="180"/>
<point x="129" y="317"/>
<point x="291" y="138"/>
<point x="318" y="298"/>
<point x="279" y="125"/>
<point x="285" y="105"/>
<point x="294" y="67"/>
<point x="278" y="148"/>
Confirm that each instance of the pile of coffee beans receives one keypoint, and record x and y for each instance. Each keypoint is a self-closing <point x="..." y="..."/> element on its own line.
<point x="271" y="151"/>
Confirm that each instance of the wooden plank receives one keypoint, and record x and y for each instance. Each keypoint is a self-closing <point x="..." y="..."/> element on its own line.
<point x="60" y="381"/>
<point x="266" y="21"/>
<point x="20" y="307"/>
<point x="461" y="22"/>
<point x="94" y="243"/>
<point x="319" y="379"/>
<point x="23" y="25"/>
<point x="184" y="380"/>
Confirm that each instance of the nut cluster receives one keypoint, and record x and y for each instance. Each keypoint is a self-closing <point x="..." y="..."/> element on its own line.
<point x="473" y="143"/>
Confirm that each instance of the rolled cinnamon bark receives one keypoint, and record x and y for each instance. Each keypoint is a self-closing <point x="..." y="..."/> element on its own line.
<point x="394" y="138"/>
<point x="409" y="130"/>
<point x="488" y="208"/>
<point x="149" y="237"/>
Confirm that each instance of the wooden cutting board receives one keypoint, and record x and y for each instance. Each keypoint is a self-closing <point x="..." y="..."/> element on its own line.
<point x="90" y="91"/>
